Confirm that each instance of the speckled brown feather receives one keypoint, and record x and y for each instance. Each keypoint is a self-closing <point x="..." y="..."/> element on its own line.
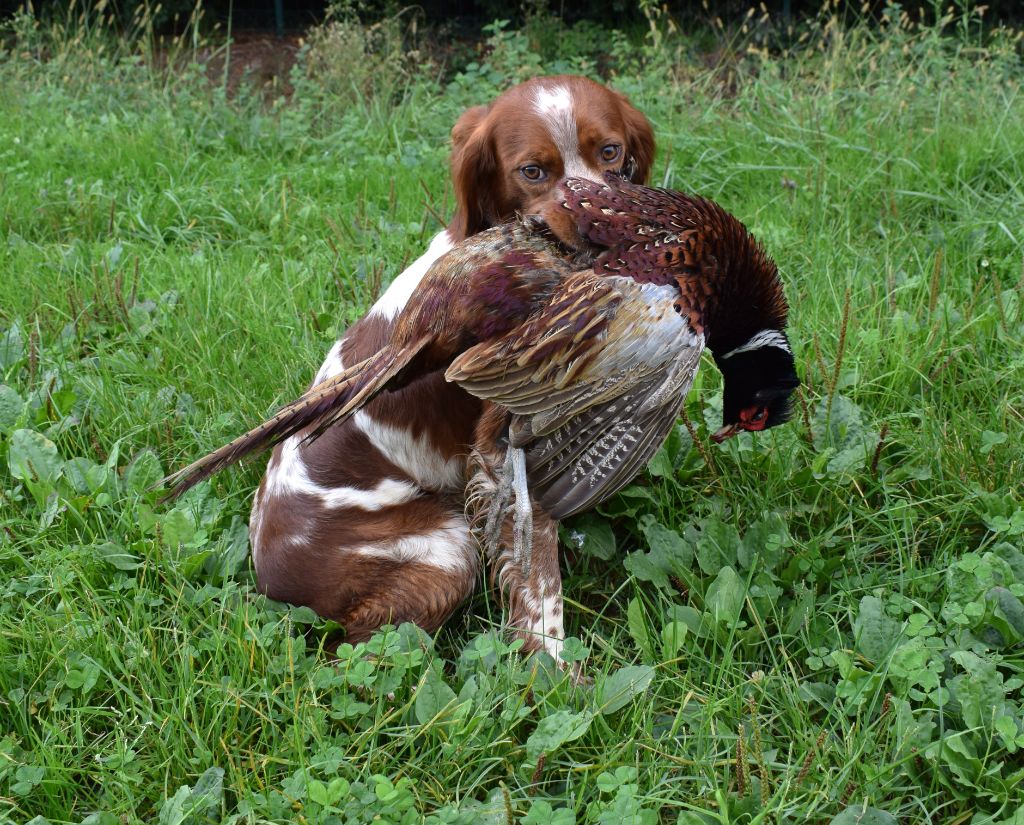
<point x="662" y="236"/>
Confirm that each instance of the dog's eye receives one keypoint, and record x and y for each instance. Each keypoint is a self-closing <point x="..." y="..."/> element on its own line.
<point x="611" y="152"/>
<point x="532" y="172"/>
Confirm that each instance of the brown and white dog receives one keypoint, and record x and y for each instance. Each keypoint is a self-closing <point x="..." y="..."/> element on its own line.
<point x="366" y="524"/>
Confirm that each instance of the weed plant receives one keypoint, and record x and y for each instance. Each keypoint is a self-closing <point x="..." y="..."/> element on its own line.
<point x="823" y="623"/>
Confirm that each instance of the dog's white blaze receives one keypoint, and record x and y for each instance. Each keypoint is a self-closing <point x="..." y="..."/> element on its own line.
<point x="416" y="457"/>
<point x="388" y="493"/>
<point x="398" y="293"/>
<point x="554" y="106"/>
<point x="290" y="476"/>
<point x="449" y="547"/>
<point x="332" y="363"/>
<point x="759" y="340"/>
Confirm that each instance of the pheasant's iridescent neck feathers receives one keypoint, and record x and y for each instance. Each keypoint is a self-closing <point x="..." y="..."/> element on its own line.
<point x="729" y="286"/>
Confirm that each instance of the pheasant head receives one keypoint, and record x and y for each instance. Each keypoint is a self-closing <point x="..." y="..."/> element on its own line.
<point x="729" y="288"/>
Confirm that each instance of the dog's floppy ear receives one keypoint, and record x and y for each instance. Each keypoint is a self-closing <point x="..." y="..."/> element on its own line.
<point x="473" y="167"/>
<point x="639" y="143"/>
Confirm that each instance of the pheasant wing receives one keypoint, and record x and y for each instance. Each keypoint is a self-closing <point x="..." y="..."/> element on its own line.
<point x="535" y="368"/>
<point x="594" y="380"/>
<point x="581" y="464"/>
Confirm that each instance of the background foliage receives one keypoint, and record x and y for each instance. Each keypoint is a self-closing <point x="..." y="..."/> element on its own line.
<point x="471" y="14"/>
<point x="822" y="624"/>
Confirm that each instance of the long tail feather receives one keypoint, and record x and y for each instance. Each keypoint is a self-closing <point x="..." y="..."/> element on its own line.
<point x="329" y="402"/>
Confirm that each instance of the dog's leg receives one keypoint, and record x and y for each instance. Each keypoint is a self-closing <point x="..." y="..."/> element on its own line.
<point x="535" y="590"/>
<point x="520" y="539"/>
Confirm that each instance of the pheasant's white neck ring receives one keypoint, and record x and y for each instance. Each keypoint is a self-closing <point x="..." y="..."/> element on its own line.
<point x="764" y="338"/>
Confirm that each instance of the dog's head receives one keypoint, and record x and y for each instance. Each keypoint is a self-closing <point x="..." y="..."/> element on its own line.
<point x="508" y="157"/>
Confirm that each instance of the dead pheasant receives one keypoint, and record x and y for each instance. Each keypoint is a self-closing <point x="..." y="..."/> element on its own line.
<point x="592" y="357"/>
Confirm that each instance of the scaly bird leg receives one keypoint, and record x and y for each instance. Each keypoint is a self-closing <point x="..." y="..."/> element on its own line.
<point x="499" y="505"/>
<point x="522" y="523"/>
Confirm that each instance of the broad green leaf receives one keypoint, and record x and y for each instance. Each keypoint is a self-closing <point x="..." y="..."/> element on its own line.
<point x="637" y="624"/>
<point x="669" y="555"/>
<point x="432" y="697"/>
<point x="178" y="528"/>
<point x="143" y="472"/>
<point x="1008" y="614"/>
<point x="117" y="556"/>
<point x="650" y="567"/>
<point x="666" y="543"/>
<point x="208" y="792"/>
<point x="1016" y="818"/>
<point x="958" y="753"/>
<point x="861" y="815"/>
<point x="301" y="614"/>
<point x="84" y="475"/>
<point x="764" y="543"/>
<point x="33" y="457"/>
<point x="1009" y="731"/>
<point x="593" y="535"/>
<point x="724" y="599"/>
<point x="672" y="636"/>
<point x="173" y="811"/>
<point x="716" y="544"/>
<point x="874" y="631"/>
<point x="661" y="465"/>
<point x="991" y="440"/>
<point x="541" y="813"/>
<point x="11" y="407"/>
<point x="981" y="692"/>
<point x="699" y="624"/>
<point x="1012" y="525"/>
<point x="848" y="460"/>
<point x="1013" y="557"/>
<point x="841" y="430"/>
<point x="12" y="347"/>
<point x="573" y="650"/>
<point x="232" y="550"/>
<point x="555" y="730"/>
<point x="338" y="788"/>
<point x="621" y="686"/>
<point x="317" y="792"/>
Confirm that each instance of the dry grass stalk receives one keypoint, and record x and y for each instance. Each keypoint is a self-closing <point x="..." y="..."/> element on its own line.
<point x="741" y="764"/>
<point x="805" y="768"/>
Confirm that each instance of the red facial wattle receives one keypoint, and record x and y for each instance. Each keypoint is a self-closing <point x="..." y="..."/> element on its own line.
<point x="754" y="419"/>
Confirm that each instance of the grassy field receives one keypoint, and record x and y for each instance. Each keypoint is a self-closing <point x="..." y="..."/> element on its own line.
<point x="822" y="624"/>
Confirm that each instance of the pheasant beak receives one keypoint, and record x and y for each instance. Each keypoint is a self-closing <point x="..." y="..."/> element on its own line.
<point x="722" y="433"/>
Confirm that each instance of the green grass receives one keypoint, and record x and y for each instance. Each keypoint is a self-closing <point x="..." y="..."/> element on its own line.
<point x="825" y="617"/>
